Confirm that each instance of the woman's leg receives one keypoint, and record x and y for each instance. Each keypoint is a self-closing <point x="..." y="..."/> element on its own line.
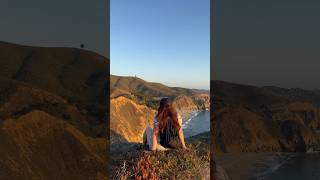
<point x="145" y="142"/>
<point x="148" y="137"/>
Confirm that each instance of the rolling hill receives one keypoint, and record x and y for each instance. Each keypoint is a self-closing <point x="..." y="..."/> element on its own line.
<point x="126" y="85"/>
<point x="71" y="73"/>
<point x="53" y="105"/>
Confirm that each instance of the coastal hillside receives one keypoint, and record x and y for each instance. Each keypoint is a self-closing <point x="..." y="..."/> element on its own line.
<point x="134" y="86"/>
<point x="40" y="146"/>
<point x="134" y="103"/>
<point x="133" y="106"/>
<point x="312" y="96"/>
<point x="247" y="118"/>
<point x="52" y="113"/>
<point x="129" y="119"/>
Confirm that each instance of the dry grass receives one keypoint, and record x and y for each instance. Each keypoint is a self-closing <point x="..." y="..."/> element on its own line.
<point x="173" y="164"/>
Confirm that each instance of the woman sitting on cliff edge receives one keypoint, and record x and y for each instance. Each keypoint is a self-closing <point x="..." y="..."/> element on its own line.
<point x="167" y="129"/>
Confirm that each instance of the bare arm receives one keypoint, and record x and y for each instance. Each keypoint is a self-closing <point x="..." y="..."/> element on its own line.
<point x="181" y="137"/>
<point x="155" y="138"/>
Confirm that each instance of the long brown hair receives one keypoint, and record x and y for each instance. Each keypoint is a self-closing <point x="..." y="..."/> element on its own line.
<point x="167" y="112"/>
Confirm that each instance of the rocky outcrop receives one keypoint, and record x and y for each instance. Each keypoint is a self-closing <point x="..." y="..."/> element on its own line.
<point x="188" y="104"/>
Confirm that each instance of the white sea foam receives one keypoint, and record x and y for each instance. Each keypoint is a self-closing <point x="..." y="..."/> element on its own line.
<point x="274" y="166"/>
<point x="310" y="151"/>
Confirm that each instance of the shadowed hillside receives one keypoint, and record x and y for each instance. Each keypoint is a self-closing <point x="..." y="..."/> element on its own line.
<point x="52" y="113"/>
<point x="76" y="74"/>
<point x="248" y="118"/>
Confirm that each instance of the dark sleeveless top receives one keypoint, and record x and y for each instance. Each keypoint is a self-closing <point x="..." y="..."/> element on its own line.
<point x="169" y="138"/>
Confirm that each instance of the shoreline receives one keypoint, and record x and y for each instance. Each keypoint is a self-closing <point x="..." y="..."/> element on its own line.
<point x="192" y="128"/>
<point x="264" y="165"/>
<point x="187" y="120"/>
<point x="251" y="165"/>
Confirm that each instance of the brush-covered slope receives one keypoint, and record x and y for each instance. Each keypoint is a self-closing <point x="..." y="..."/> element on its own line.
<point x="129" y="119"/>
<point x="248" y="118"/>
<point x="52" y="113"/>
<point x="133" y="162"/>
<point x="137" y="86"/>
<point x="40" y="146"/>
<point x="126" y="85"/>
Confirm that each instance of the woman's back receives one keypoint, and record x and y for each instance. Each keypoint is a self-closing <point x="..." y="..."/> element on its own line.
<point x="169" y="137"/>
<point x="167" y="128"/>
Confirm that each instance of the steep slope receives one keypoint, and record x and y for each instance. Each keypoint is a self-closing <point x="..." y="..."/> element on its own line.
<point x="132" y="162"/>
<point x="188" y="104"/>
<point x="53" y="121"/>
<point x="248" y="118"/>
<point x="21" y="98"/>
<point x="129" y="119"/>
<point x="40" y="146"/>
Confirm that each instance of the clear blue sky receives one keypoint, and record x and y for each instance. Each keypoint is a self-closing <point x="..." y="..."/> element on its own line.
<point x="166" y="41"/>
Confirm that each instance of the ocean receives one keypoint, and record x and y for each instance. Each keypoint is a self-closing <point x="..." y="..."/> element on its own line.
<point x="302" y="166"/>
<point x="199" y="122"/>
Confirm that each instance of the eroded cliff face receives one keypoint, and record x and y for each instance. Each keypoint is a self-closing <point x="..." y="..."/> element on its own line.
<point x="188" y="104"/>
<point x="130" y="119"/>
